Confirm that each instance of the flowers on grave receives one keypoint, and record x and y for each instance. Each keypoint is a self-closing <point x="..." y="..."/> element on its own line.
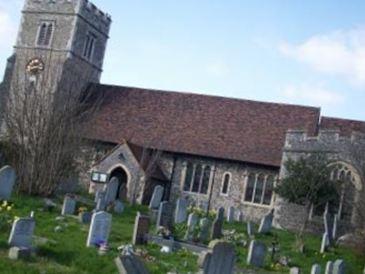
<point x="6" y="214"/>
<point x="201" y="212"/>
<point x="82" y="209"/>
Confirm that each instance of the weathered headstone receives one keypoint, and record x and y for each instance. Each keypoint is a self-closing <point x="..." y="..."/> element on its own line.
<point x="339" y="267"/>
<point x="220" y="213"/>
<point x="156" y="197"/>
<point x="98" y="194"/>
<point x="230" y="214"/>
<point x="256" y="254"/>
<point x="111" y="190"/>
<point x="328" y="224"/>
<point x="164" y="217"/>
<point x="141" y="227"/>
<point x="334" y="228"/>
<point x="222" y="259"/>
<point x="118" y="207"/>
<point x="240" y="217"/>
<point x="101" y="204"/>
<point x="22" y="232"/>
<point x="85" y="217"/>
<point x="69" y="206"/>
<point x="181" y="211"/>
<point x="204" y="259"/>
<point x="7" y="180"/>
<point x="99" y="228"/>
<point x="193" y="220"/>
<point x="316" y="269"/>
<point x="325" y="242"/>
<point x="250" y="229"/>
<point x="217" y="229"/>
<point x="130" y="264"/>
<point x="204" y="229"/>
<point x="295" y="270"/>
<point x="266" y="223"/>
<point x="329" y="268"/>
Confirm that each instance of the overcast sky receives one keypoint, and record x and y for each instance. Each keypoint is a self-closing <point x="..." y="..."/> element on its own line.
<point x="304" y="52"/>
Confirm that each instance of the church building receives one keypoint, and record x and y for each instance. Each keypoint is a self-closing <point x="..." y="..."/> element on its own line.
<point x="212" y="151"/>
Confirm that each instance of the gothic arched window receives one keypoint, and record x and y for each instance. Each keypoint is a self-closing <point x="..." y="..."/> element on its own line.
<point x="45" y="33"/>
<point x="225" y="183"/>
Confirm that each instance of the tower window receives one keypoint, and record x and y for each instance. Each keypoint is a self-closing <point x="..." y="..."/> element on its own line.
<point x="45" y="34"/>
<point x="89" y="46"/>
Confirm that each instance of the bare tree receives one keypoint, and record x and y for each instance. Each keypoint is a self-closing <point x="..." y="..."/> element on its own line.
<point x="44" y="122"/>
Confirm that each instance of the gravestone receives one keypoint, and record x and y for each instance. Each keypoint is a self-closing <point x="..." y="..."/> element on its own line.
<point x="7" y="180"/>
<point x="111" y="190"/>
<point x="230" y="214"/>
<point x="329" y="268"/>
<point x="334" y="228"/>
<point x="69" y="206"/>
<point x="240" y="217"/>
<point x="328" y="224"/>
<point x="204" y="259"/>
<point x="316" y="269"/>
<point x="204" y="229"/>
<point x="339" y="267"/>
<point x="181" y="211"/>
<point x="222" y="259"/>
<point x="217" y="229"/>
<point x="266" y="223"/>
<point x="250" y="229"/>
<point x="22" y="232"/>
<point x="256" y="254"/>
<point x="156" y="197"/>
<point x="85" y="217"/>
<point x="141" y="227"/>
<point x="118" y="207"/>
<point x="16" y="253"/>
<point x="130" y="264"/>
<point x="294" y="270"/>
<point x="193" y="220"/>
<point x="325" y="242"/>
<point x="99" y="228"/>
<point x="101" y="204"/>
<point x="164" y="216"/>
<point x="98" y="194"/>
<point x="220" y="213"/>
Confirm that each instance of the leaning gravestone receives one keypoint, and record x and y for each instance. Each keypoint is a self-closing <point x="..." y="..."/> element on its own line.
<point x="334" y="228"/>
<point x="99" y="228"/>
<point x="329" y="268"/>
<point x="230" y="214"/>
<point x="141" y="227"/>
<point x="130" y="264"/>
<point x="22" y="232"/>
<point x="193" y="220"/>
<point x="181" y="211"/>
<point x="111" y="190"/>
<point x="156" y="197"/>
<point x="328" y="224"/>
<point x="339" y="267"/>
<point x="204" y="229"/>
<point x="217" y="229"/>
<point x="69" y="206"/>
<point x="118" y="207"/>
<point x="7" y="180"/>
<point x="256" y="254"/>
<point x="316" y="269"/>
<point x="101" y="204"/>
<point x="222" y="259"/>
<point x="325" y="242"/>
<point x="220" y="213"/>
<point x="266" y="223"/>
<point x="250" y="229"/>
<point x="164" y="216"/>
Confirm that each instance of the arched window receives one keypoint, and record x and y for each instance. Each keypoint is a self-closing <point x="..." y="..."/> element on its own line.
<point x="250" y="187"/>
<point x="226" y="181"/>
<point x="188" y="176"/>
<point x="45" y="33"/>
<point x="206" y="179"/>
<point x="42" y="34"/>
<point x="89" y="46"/>
<point x="48" y="37"/>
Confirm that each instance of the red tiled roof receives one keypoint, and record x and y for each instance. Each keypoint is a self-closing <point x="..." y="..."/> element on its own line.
<point x="211" y="126"/>
<point x="345" y="126"/>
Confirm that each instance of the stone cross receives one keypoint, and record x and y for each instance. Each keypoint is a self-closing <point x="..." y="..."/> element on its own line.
<point x="266" y="223"/>
<point x="111" y="190"/>
<point x="339" y="267"/>
<point x="156" y="197"/>
<point x="22" y="232"/>
<point x="316" y="269"/>
<point x="7" y="180"/>
<point x="221" y="260"/>
<point x="99" y="230"/>
<point x="204" y="229"/>
<point x="141" y="227"/>
<point x="181" y="211"/>
<point x="69" y="206"/>
<point x="192" y="222"/>
<point x="325" y="242"/>
<point x="329" y="268"/>
<point x="256" y="254"/>
<point x="230" y="214"/>
<point x="164" y="216"/>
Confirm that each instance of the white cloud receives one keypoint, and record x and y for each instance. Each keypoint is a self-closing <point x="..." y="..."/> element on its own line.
<point x="312" y="94"/>
<point x="340" y="53"/>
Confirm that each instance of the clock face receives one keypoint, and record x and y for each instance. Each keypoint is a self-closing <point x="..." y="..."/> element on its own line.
<point x="35" y="66"/>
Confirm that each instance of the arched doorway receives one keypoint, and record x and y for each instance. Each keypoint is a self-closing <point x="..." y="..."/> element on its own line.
<point x="122" y="177"/>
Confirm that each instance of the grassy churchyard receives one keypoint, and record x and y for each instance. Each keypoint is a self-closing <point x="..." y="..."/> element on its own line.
<point x="60" y="244"/>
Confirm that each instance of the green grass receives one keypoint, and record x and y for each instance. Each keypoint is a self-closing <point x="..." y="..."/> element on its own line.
<point x="66" y="251"/>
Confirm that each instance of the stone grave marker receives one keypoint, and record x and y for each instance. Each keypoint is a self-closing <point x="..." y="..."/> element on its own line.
<point x="85" y="217"/>
<point x="266" y="223"/>
<point x="7" y="180"/>
<point x="164" y="216"/>
<point x="217" y="229"/>
<point x="250" y="229"/>
<point x="240" y="217"/>
<point x="325" y="242"/>
<point x="111" y="190"/>
<point x="204" y="259"/>
<point x="204" y="229"/>
<point x="16" y="253"/>
<point x="328" y="224"/>
<point x="101" y="204"/>
<point x="256" y="254"/>
<point x="339" y="267"/>
<point x="193" y="220"/>
<point x="118" y="207"/>
<point x="294" y="270"/>
<point x="69" y="206"/>
<point x="220" y="213"/>
<point x="334" y="228"/>
<point x="141" y="227"/>
<point x="222" y="259"/>
<point x="22" y="232"/>
<point x="316" y="269"/>
<point x="99" y="228"/>
<point x="130" y="264"/>
<point x="156" y="197"/>
<point x="329" y="268"/>
<point x="181" y="211"/>
<point x="230" y="214"/>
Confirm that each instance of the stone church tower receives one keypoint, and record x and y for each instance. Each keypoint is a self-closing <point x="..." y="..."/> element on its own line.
<point x="60" y="40"/>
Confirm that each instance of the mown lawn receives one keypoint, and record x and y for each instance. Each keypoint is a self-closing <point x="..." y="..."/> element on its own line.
<point x="66" y="252"/>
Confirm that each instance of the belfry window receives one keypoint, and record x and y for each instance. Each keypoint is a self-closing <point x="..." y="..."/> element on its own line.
<point x="225" y="184"/>
<point x="197" y="178"/>
<point x="89" y="46"/>
<point x="259" y="189"/>
<point x="45" y="33"/>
